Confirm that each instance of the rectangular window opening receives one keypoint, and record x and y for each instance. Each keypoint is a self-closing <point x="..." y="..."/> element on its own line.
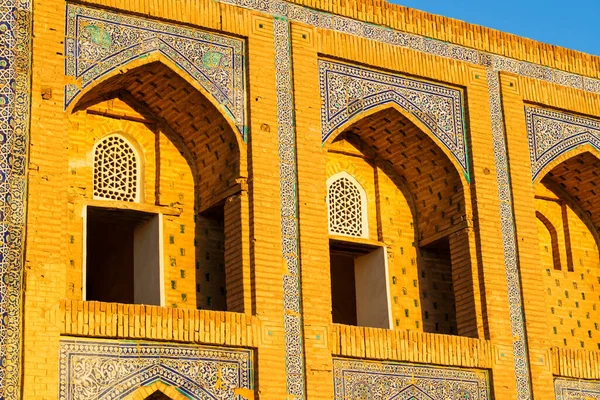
<point x="123" y="254"/>
<point x="359" y="285"/>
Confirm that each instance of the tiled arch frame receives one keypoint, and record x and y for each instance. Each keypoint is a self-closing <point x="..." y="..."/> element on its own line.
<point x="111" y="369"/>
<point x="99" y="43"/>
<point x="553" y="134"/>
<point x="351" y="92"/>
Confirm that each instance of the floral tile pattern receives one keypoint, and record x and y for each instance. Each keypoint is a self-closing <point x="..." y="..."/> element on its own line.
<point x="15" y="97"/>
<point x="292" y="300"/>
<point x="552" y="133"/>
<point x="375" y="380"/>
<point x="108" y="369"/>
<point x="347" y="91"/>
<point x="571" y="389"/>
<point x="98" y="41"/>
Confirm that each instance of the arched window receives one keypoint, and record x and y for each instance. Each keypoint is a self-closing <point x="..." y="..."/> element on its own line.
<point x="116" y="170"/>
<point x="347" y="205"/>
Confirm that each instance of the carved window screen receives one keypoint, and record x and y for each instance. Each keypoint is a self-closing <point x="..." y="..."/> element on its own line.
<point x="116" y="168"/>
<point x="346" y="201"/>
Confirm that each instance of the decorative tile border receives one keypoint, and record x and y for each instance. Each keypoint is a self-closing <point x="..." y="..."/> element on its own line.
<point x="286" y="132"/>
<point x="553" y="133"/>
<point x="15" y="21"/>
<point x="109" y="369"/>
<point x="509" y="241"/>
<point x="571" y="389"/>
<point x="349" y="90"/>
<point x="383" y="34"/>
<point x="15" y="75"/>
<point x="98" y="41"/>
<point x="360" y="379"/>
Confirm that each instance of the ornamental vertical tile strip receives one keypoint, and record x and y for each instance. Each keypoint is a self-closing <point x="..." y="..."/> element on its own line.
<point x="392" y="380"/>
<point x="552" y="134"/>
<point x="97" y="42"/>
<point x="572" y="389"/>
<point x="294" y="350"/>
<point x="509" y="241"/>
<point x="193" y="370"/>
<point x="15" y="89"/>
<point x="348" y="91"/>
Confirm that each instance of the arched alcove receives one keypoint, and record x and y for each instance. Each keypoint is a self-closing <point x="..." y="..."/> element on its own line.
<point x="195" y="170"/>
<point x="420" y="213"/>
<point x="567" y="198"/>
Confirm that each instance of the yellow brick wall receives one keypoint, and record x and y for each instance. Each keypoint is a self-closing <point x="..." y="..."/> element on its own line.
<point x="243" y="178"/>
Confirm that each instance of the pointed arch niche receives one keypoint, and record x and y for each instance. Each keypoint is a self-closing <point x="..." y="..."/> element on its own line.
<point x="99" y="43"/>
<point x="566" y="195"/>
<point x="193" y="181"/>
<point x="418" y="202"/>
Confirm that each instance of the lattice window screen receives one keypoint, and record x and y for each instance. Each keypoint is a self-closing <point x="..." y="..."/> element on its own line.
<point x="115" y="170"/>
<point x="347" y="204"/>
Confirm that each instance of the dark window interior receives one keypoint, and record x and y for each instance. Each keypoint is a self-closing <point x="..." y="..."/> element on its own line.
<point x="343" y="279"/>
<point x="111" y="252"/>
<point x="437" y="289"/>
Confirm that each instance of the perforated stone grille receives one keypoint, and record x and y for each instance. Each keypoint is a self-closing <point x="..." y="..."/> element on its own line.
<point x="345" y="208"/>
<point x="115" y="170"/>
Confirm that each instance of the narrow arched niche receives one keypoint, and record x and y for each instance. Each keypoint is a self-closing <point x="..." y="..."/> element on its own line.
<point x="567" y="199"/>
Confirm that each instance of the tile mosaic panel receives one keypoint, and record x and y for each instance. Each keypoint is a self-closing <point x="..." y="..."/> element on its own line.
<point x="286" y="132"/>
<point x="110" y="369"/>
<point x="98" y="41"/>
<point x="348" y="91"/>
<point x="509" y="241"/>
<point x="571" y="389"/>
<point x="15" y="75"/>
<point x="553" y="133"/>
<point x="374" y="380"/>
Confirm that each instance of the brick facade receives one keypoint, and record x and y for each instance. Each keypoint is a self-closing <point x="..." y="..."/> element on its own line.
<point x="477" y="153"/>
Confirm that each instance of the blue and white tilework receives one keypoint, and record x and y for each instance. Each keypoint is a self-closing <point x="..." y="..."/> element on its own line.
<point x="509" y="240"/>
<point x="348" y="91"/>
<point x="109" y="369"/>
<point x="552" y="133"/>
<point x="98" y="41"/>
<point x="384" y="34"/>
<point x="571" y="389"/>
<point x="292" y="301"/>
<point x="15" y="76"/>
<point x="373" y="380"/>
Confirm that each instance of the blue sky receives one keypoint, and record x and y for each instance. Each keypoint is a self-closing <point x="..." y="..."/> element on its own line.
<point x="573" y="24"/>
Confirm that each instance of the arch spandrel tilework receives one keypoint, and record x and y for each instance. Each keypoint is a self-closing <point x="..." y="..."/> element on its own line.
<point x="552" y="134"/>
<point x="348" y="90"/>
<point x="107" y="369"/>
<point x="572" y="389"/>
<point x="99" y="41"/>
<point x="358" y="379"/>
